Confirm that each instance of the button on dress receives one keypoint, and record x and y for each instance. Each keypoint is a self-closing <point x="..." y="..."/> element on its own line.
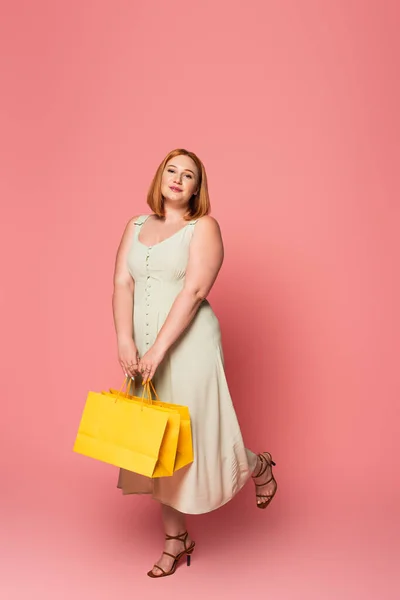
<point x="192" y="373"/>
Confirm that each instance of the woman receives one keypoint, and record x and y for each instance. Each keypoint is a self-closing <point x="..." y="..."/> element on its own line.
<point x="165" y="267"/>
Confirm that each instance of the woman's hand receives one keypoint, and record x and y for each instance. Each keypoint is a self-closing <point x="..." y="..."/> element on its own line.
<point x="128" y="357"/>
<point x="149" y="363"/>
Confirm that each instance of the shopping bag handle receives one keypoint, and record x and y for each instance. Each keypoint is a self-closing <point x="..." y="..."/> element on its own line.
<point x="150" y="386"/>
<point x="128" y="382"/>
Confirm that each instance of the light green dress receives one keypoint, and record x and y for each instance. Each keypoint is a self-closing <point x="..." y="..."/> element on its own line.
<point x="192" y="374"/>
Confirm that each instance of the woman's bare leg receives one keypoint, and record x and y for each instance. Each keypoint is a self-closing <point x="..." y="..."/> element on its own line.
<point x="252" y="459"/>
<point x="174" y="524"/>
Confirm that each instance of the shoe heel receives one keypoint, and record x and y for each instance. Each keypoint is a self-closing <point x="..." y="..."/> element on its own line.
<point x="189" y="556"/>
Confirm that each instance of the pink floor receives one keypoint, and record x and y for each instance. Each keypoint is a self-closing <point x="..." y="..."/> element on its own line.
<point x="87" y="541"/>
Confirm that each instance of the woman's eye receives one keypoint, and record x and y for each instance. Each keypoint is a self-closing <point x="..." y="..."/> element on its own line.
<point x="173" y="171"/>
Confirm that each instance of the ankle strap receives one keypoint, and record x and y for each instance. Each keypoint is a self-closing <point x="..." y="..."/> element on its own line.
<point x="177" y="537"/>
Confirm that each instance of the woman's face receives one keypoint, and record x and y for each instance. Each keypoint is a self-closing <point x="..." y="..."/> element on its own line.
<point x="179" y="180"/>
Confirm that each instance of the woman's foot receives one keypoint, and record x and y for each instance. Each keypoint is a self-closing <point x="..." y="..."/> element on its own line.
<point x="264" y="480"/>
<point x="173" y="547"/>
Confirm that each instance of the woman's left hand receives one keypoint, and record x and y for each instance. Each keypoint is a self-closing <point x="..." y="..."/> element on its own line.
<point x="149" y="363"/>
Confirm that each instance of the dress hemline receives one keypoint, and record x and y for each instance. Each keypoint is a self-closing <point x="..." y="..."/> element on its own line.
<point x="186" y="512"/>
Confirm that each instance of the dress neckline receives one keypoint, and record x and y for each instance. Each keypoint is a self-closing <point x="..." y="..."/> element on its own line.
<point x="165" y="239"/>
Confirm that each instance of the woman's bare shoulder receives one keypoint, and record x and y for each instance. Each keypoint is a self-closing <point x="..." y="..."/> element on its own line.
<point x="208" y="223"/>
<point x="208" y="226"/>
<point x="129" y="227"/>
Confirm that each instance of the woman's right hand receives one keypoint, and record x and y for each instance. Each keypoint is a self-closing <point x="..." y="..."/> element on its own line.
<point x="128" y="357"/>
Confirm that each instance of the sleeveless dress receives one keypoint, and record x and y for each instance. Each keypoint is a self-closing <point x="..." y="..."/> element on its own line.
<point x="192" y="373"/>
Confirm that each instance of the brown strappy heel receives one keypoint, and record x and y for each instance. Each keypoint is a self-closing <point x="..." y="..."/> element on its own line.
<point x="187" y="551"/>
<point x="266" y="461"/>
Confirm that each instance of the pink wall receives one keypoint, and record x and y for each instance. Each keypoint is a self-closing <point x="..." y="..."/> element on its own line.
<point x="293" y="107"/>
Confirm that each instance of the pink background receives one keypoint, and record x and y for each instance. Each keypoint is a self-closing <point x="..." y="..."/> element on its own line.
<point x="294" y="109"/>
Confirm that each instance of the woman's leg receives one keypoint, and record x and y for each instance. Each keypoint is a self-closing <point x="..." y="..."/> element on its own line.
<point x="252" y="459"/>
<point x="174" y="524"/>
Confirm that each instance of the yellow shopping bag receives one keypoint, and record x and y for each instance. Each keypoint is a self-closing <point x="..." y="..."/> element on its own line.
<point x="130" y="433"/>
<point x="167" y="454"/>
<point x="184" y="452"/>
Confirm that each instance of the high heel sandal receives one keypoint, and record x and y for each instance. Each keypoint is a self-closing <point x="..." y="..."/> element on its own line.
<point x="187" y="551"/>
<point x="266" y="461"/>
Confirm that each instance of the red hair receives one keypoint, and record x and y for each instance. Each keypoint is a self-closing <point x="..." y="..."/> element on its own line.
<point x="199" y="204"/>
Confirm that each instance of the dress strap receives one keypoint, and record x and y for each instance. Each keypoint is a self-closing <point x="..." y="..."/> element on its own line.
<point x="138" y="223"/>
<point x="140" y="220"/>
<point x="190" y="228"/>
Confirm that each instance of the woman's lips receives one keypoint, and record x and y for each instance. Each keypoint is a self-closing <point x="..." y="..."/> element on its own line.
<point x="174" y="189"/>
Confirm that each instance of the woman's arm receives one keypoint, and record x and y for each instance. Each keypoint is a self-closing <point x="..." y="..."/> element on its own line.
<point x="122" y="304"/>
<point x="205" y="260"/>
